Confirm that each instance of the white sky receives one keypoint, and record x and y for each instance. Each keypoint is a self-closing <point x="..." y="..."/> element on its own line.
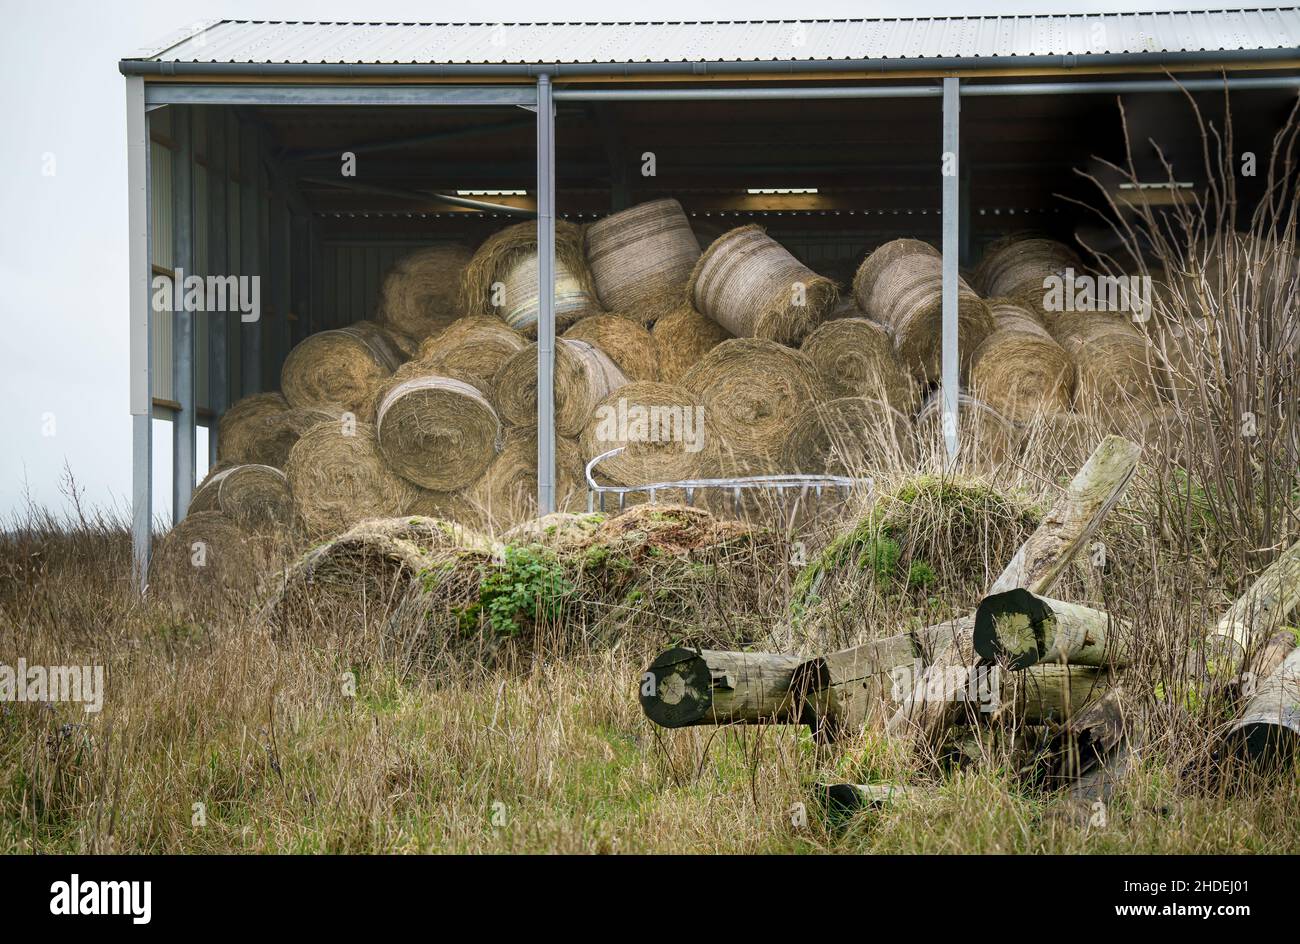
<point x="63" y="288"/>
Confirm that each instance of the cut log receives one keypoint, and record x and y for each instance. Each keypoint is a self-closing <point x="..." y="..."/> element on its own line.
<point x="842" y="691"/>
<point x="1023" y="630"/>
<point x="686" y="687"/>
<point x="1268" y="729"/>
<point x="1036" y="567"/>
<point x="1257" y="614"/>
<point x="1050" y="694"/>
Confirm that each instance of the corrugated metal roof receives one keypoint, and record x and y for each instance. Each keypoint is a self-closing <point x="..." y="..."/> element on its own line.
<point x="264" y="42"/>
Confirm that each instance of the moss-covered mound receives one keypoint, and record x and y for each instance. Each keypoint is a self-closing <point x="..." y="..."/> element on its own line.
<point x="921" y="552"/>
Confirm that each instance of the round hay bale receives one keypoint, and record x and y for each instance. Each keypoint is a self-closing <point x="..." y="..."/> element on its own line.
<point x="681" y="338"/>
<point x="1058" y="444"/>
<point x="506" y="494"/>
<point x="1019" y="370"/>
<point x="472" y="350"/>
<point x="436" y="432"/>
<point x="1113" y="360"/>
<point x="1016" y="265"/>
<point x="338" y="369"/>
<point x="751" y="285"/>
<point x="849" y="436"/>
<point x="338" y="477"/>
<point x="360" y="577"/>
<point x="257" y="496"/>
<point x="661" y="429"/>
<point x="234" y="437"/>
<point x="205" y="550"/>
<point x="900" y="285"/>
<point x="641" y="259"/>
<point x="626" y="342"/>
<point x="584" y="376"/>
<point x="419" y="294"/>
<point x="856" y="358"/>
<point x="204" y="497"/>
<point x="751" y="390"/>
<point x="985" y="438"/>
<point x="501" y="278"/>
<point x="271" y="437"/>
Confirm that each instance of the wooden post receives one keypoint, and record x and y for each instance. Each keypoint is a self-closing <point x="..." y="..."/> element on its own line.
<point x="686" y="687"/>
<point x="842" y="691"/>
<point x="1024" y="630"/>
<point x="1256" y="615"/>
<point x="1036" y="567"/>
<point x="1268" y="730"/>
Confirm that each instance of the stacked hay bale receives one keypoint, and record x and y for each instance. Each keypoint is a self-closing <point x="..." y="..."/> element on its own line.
<point x="682" y="337"/>
<point x="751" y="390"/>
<point x="661" y="429"/>
<point x="641" y="259"/>
<point x="854" y="436"/>
<point x="501" y="278"/>
<point x="627" y="343"/>
<point x="419" y="294"/>
<point x="985" y="438"/>
<point x="1114" y="362"/>
<point x="752" y="286"/>
<point x="1019" y="370"/>
<point x="256" y="496"/>
<point x="1016" y="266"/>
<point x="900" y="285"/>
<point x="472" y="349"/>
<point x="584" y="375"/>
<point x="338" y="369"/>
<point x="856" y="358"/>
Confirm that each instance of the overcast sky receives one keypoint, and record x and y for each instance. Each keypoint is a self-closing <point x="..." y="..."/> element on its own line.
<point x="63" y="269"/>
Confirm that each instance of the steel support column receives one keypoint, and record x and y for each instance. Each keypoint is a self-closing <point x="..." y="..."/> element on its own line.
<point x="141" y="277"/>
<point x="183" y="424"/>
<point x="951" y="164"/>
<point x="545" y="297"/>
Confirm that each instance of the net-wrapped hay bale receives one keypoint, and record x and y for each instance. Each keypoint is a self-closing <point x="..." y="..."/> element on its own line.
<point x="751" y="390"/>
<point x="626" y="342"/>
<point x="751" y="285"/>
<point x="208" y="551"/>
<point x="204" y="497"/>
<point x="419" y="294"/>
<point x="234" y="436"/>
<point x="501" y="278"/>
<point x="682" y="337"/>
<point x="506" y="494"/>
<point x="1016" y="265"/>
<point x="584" y="376"/>
<point x="436" y="432"/>
<point x="338" y="477"/>
<point x="271" y="437"/>
<point x="985" y="438"/>
<point x="1113" y="361"/>
<point x="1019" y="370"/>
<point x="661" y="429"/>
<point x="1057" y="444"/>
<point x="338" y="369"/>
<point x="257" y="496"/>
<point x="472" y="349"/>
<point x="641" y="259"/>
<point x="850" y="436"/>
<point x="856" y="358"/>
<point x="900" y="285"/>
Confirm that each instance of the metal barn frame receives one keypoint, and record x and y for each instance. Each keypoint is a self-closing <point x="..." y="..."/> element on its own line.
<point x="178" y="75"/>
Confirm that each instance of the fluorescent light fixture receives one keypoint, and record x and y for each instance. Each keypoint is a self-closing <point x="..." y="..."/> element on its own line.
<point x="1161" y="185"/>
<point x="491" y="193"/>
<point x="763" y="191"/>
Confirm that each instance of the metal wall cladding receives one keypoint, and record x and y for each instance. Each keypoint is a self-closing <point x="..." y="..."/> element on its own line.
<point x="753" y="41"/>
